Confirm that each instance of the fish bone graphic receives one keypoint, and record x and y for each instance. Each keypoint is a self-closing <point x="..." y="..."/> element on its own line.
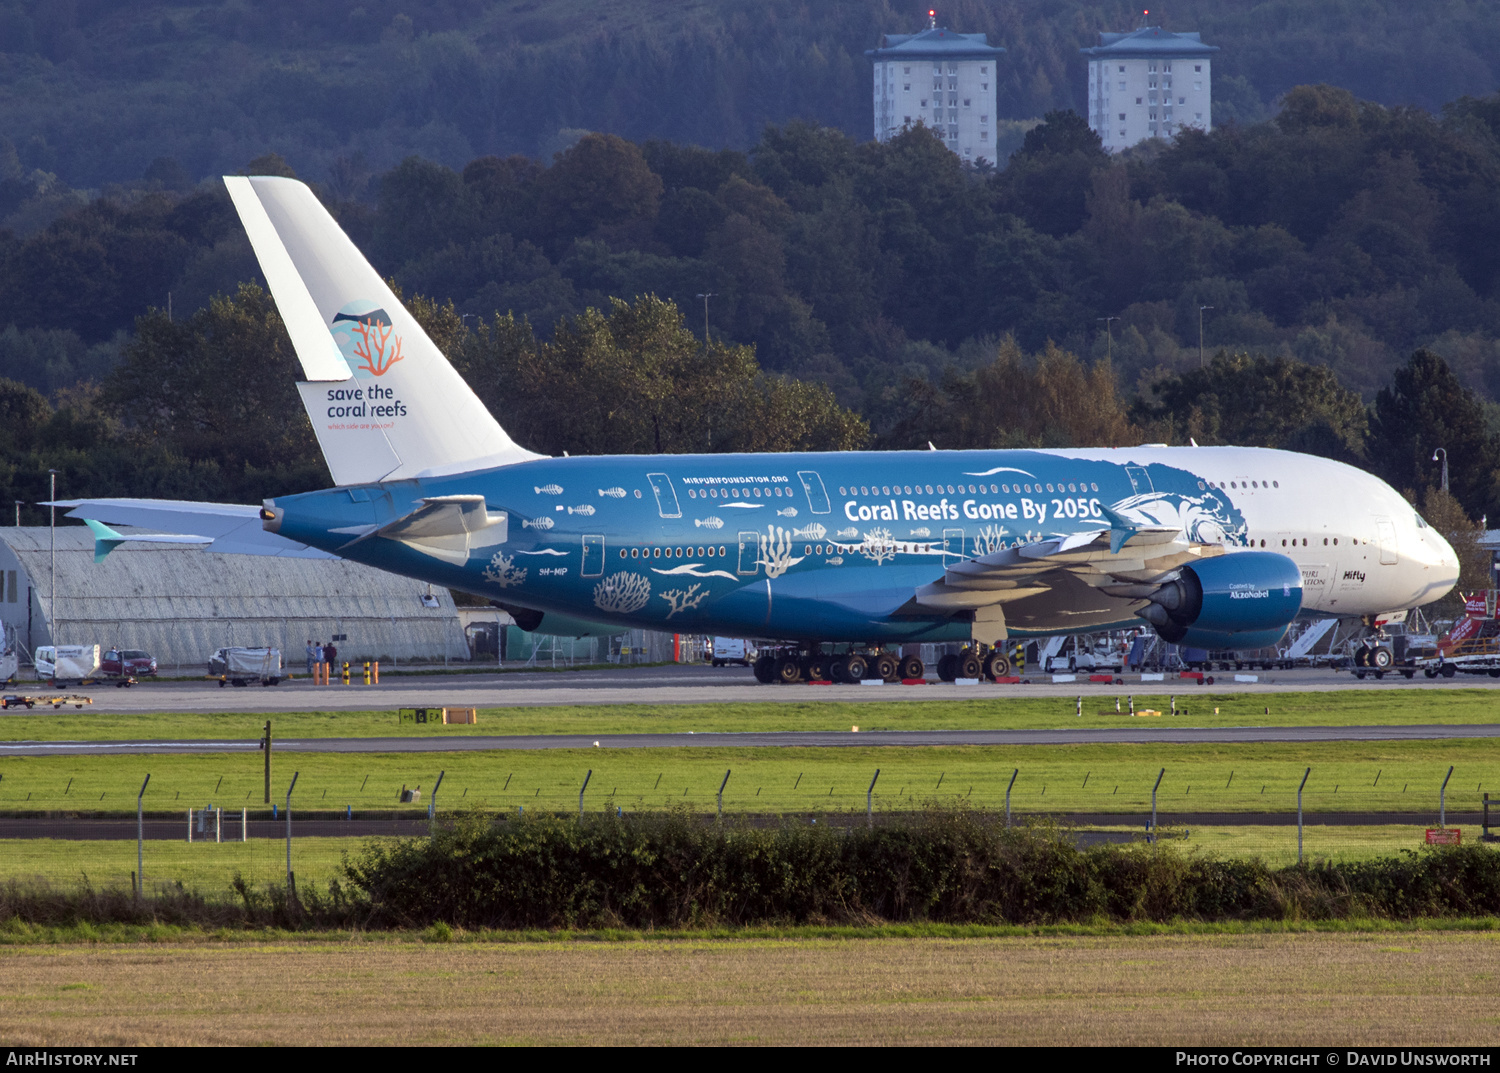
<point x="548" y="490"/>
<point x="613" y="493"/>
<point x="709" y="523"/>
<point x="543" y="522"/>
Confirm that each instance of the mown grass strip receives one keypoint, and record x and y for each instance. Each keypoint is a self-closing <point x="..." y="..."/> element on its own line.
<point x="1350" y="776"/>
<point x="988" y="708"/>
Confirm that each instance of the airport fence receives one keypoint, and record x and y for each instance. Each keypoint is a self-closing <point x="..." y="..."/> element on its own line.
<point x="81" y="832"/>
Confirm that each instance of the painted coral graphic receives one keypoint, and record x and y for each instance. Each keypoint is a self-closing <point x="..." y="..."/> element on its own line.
<point x="989" y="539"/>
<point x="684" y="599"/>
<point x="503" y="571"/>
<point x="622" y="593"/>
<point x="776" y="551"/>
<point x="378" y="347"/>
<point x="878" y="546"/>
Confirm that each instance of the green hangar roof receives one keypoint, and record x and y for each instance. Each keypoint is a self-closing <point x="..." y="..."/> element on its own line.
<point x="935" y="44"/>
<point x="1150" y="41"/>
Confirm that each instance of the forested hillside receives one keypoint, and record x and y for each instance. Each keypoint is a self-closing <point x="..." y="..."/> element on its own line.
<point x="1339" y="257"/>
<point x="97" y="91"/>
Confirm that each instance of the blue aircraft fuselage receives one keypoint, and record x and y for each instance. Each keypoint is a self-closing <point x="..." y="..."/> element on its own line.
<point x="792" y="546"/>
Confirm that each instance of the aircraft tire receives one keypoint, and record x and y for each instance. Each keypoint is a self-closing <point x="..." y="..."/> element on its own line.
<point x="884" y="667"/>
<point x="815" y="668"/>
<point x="968" y="666"/>
<point x="788" y="670"/>
<point x="913" y="667"/>
<point x="856" y="669"/>
<point x="945" y="667"/>
<point x="764" y="668"/>
<point x="996" y="666"/>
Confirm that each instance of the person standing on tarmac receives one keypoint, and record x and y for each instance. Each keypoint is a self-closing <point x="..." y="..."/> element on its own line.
<point x="330" y="656"/>
<point x="312" y="656"/>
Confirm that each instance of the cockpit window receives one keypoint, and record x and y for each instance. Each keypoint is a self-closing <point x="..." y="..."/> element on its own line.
<point x="1421" y="521"/>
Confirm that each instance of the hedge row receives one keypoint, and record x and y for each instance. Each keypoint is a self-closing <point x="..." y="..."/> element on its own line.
<point x="671" y="870"/>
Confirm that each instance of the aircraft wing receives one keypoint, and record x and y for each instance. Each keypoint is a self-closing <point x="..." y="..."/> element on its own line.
<point x="226" y="527"/>
<point x="1128" y="561"/>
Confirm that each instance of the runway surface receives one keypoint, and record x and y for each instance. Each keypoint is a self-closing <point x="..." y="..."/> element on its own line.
<point x="682" y="685"/>
<point x="779" y="739"/>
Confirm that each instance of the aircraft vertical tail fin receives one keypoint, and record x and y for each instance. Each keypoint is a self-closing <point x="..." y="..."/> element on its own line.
<point x="384" y="401"/>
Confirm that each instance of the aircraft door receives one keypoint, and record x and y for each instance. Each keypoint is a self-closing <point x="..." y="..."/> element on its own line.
<point x="749" y="553"/>
<point x="1385" y="534"/>
<point x="953" y="544"/>
<point x="666" y="496"/>
<point x="593" y="556"/>
<point x="1140" y="480"/>
<point x="817" y="495"/>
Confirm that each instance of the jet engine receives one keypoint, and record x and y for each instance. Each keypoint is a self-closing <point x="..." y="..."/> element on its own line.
<point x="1239" y="600"/>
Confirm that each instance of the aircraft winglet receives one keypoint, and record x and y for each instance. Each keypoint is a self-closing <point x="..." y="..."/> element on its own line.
<point x="107" y="540"/>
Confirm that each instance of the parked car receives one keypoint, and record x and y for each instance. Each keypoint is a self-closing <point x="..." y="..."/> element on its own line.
<point x="127" y="663"/>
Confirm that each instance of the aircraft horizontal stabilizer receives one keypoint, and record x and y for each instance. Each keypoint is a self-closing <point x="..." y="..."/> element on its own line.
<point x="446" y="527"/>
<point x="224" y="527"/>
<point x="107" y="540"/>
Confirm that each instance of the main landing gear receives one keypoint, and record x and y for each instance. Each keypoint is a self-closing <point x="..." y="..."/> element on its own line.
<point x="980" y="661"/>
<point x="791" y="665"/>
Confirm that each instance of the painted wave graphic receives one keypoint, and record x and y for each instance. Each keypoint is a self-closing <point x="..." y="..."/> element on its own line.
<point x="694" y="570"/>
<point x="1000" y="469"/>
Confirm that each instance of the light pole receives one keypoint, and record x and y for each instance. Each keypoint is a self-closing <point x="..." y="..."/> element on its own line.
<point x="1109" y="335"/>
<point x="1200" y="334"/>
<point x="705" y="298"/>
<point x="52" y="598"/>
<point x="18" y="512"/>
<point x="1444" y="452"/>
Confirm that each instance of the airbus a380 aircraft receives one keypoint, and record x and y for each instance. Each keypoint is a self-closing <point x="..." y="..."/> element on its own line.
<point x="835" y="554"/>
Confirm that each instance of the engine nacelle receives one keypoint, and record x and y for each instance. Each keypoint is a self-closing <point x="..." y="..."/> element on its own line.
<point x="1240" y="600"/>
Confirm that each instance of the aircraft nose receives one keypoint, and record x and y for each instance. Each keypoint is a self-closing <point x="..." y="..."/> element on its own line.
<point x="1444" y="572"/>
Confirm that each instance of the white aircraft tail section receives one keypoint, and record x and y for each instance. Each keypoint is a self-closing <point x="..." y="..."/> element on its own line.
<point x="384" y="401"/>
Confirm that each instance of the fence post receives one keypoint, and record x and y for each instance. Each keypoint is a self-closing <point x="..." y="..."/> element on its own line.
<point x="1305" y="774"/>
<point x="190" y="825"/>
<point x="1013" y="775"/>
<point x="1443" y="798"/>
<point x="290" y="889"/>
<point x="582" y="788"/>
<point x="432" y="802"/>
<point x="266" y="745"/>
<point x="869" y="807"/>
<point x="1159" y="775"/>
<point x="721" y="794"/>
<point x="140" y="838"/>
<point x="244" y="825"/>
<point x="218" y="827"/>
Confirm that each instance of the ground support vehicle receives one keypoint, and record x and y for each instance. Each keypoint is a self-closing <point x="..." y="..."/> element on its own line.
<point x="1480" y="655"/>
<point x="727" y="650"/>
<point x="57" y="700"/>
<point x="241" y="666"/>
<point x="59" y="664"/>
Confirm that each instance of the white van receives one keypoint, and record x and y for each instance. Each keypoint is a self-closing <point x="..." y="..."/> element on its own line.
<point x="60" y="664"/>
<point x="729" y="650"/>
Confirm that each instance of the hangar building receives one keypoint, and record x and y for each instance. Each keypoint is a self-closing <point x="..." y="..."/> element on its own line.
<point x="180" y="602"/>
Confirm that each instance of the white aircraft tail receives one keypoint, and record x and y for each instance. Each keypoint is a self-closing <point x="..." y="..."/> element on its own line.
<point x="384" y="401"/>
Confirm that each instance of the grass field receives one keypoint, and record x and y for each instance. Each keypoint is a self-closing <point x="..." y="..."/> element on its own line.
<point x="1351" y="707"/>
<point x="1340" y="989"/>
<point x="205" y="867"/>
<point x="1378" y="776"/>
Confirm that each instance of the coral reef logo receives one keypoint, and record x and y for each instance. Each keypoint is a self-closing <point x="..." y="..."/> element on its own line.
<point x="366" y="338"/>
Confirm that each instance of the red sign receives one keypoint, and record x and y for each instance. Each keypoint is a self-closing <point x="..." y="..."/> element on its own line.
<point x="1443" y="836"/>
<point x="1474" y="607"/>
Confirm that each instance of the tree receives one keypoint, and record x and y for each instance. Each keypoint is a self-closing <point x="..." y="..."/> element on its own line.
<point x="635" y="380"/>
<point x="602" y="182"/>
<point x="1254" y="401"/>
<point x="220" y="387"/>
<point x="1425" y="408"/>
<point x="1049" y="400"/>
